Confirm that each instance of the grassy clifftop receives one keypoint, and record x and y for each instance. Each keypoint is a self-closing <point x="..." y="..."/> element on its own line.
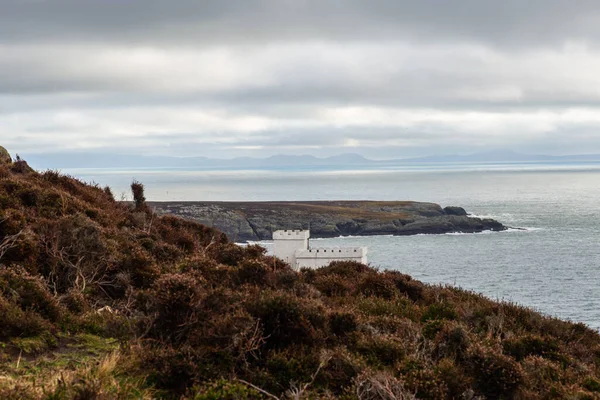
<point x="104" y="300"/>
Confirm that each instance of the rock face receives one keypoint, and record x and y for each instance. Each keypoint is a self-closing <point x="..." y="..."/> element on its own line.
<point x="451" y="210"/>
<point x="249" y="221"/>
<point x="5" y="157"/>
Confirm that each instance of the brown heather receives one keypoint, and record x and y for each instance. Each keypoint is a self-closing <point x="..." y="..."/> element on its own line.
<point x="102" y="299"/>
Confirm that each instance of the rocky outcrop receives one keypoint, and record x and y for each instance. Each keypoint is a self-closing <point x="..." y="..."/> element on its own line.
<point x="451" y="210"/>
<point x="249" y="221"/>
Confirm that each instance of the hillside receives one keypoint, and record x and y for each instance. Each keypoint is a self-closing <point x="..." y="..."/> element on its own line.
<point x="105" y="300"/>
<point x="256" y="220"/>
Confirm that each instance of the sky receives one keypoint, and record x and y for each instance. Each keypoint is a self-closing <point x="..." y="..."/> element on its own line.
<point x="381" y="78"/>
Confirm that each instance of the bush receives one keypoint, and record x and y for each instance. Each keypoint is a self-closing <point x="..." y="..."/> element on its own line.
<point x="171" y="369"/>
<point x="452" y="342"/>
<point x="255" y="251"/>
<point x="75" y="302"/>
<point x="431" y="329"/>
<point x="137" y="190"/>
<point x="226" y="390"/>
<point x="522" y="347"/>
<point x="288" y="320"/>
<point x="380" y="350"/>
<point x="296" y="364"/>
<point x="29" y="293"/>
<point x="541" y="375"/>
<point x="454" y="378"/>
<point x="438" y="311"/>
<point x="175" y="299"/>
<point x="377" y="285"/>
<point x="406" y="285"/>
<point x="346" y="269"/>
<point x="253" y="272"/>
<point x="19" y="323"/>
<point x="342" y="323"/>
<point x="426" y="383"/>
<point x="591" y="384"/>
<point x="496" y="376"/>
<point x="339" y="372"/>
<point x="332" y="285"/>
<point x="228" y="254"/>
<point x="286" y="278"/>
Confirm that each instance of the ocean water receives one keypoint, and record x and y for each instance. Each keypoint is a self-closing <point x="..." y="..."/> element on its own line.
<point x="552" y="266"/>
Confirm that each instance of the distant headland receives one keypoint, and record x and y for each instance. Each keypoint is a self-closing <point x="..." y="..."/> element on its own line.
<point x="251" y="221"/>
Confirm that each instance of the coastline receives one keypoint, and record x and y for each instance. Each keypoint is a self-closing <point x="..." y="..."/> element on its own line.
<point x="252" y="221"/>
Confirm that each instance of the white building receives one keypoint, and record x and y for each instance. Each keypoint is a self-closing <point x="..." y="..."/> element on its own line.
<point x="292" y="246"/>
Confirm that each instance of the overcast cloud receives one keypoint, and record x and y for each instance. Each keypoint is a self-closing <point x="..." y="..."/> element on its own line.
<point x="387" y="78"/>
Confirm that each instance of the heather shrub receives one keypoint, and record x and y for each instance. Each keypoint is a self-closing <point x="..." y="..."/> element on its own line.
<point x="226" y="390"/>
<point x="4" y="172"/>
<point x="175" y="297"/>
<point x="375" y="284"/>
<point x="255" y="251"/>
<point x="109" y="193"/>
<point x="227" y="253"/>
<point x="452" y="342"/>
<point x="105" y="322"/>
<point x="214" y="274"/>
<point x="253" y="272"/>
<point x="332" y="285"/>
<point x="296" y="364"/>
<point x="275" y="263"/>
<point x="339" y="372"/>
<point x="171" y="369"/>
<point x="591" y="384"/>
<point x="377" y="306"/>
<point x="346" y="269"/>
<point x="342" y="323"/>
<point x="380" y="350"/>
<point x="438" y="311"/>
<point x="288" y="320"/>
<point x="406" y="285"/>
<point x="286" y="278"/>
<point x="75" y="302"/>
<point x="29" y="293"/>
<point x="540" y="374"/>
<point x="166" y="252"/>
<point x="496" y="376"/>
<point x="20" y="166"/>
<point x="28" y="197"/>
<point x="426" y="384"/>
<point x="454" y="378"/>
<point x="139" y="265"/>
<point x="17" y="322"/>
<point x="522" y="347"/>
<point x="381" y="385"/>
<point x="431" y="329"/>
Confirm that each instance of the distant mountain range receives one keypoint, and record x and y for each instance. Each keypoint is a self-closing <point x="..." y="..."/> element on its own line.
<point x="95" y="160"/>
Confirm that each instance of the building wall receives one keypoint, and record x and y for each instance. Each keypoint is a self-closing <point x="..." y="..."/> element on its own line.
<point x="292" y="247"/>
<point x="287" y="243"/>
<point x="321" y="257"/>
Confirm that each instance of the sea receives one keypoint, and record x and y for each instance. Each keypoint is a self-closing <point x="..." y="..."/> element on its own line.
<point x="550" y="261"/>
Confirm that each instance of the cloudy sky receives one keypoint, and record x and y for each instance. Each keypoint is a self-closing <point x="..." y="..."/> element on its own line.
<point x="383" y="78"/>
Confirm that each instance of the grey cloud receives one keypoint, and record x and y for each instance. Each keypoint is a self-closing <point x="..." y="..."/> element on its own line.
<point x="191" y="21"/>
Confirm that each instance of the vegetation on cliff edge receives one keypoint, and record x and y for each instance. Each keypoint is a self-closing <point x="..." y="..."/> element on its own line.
<point x="101" y="299"/>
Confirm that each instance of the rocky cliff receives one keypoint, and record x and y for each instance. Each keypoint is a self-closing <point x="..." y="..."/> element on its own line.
<point x="250" y="221"/>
